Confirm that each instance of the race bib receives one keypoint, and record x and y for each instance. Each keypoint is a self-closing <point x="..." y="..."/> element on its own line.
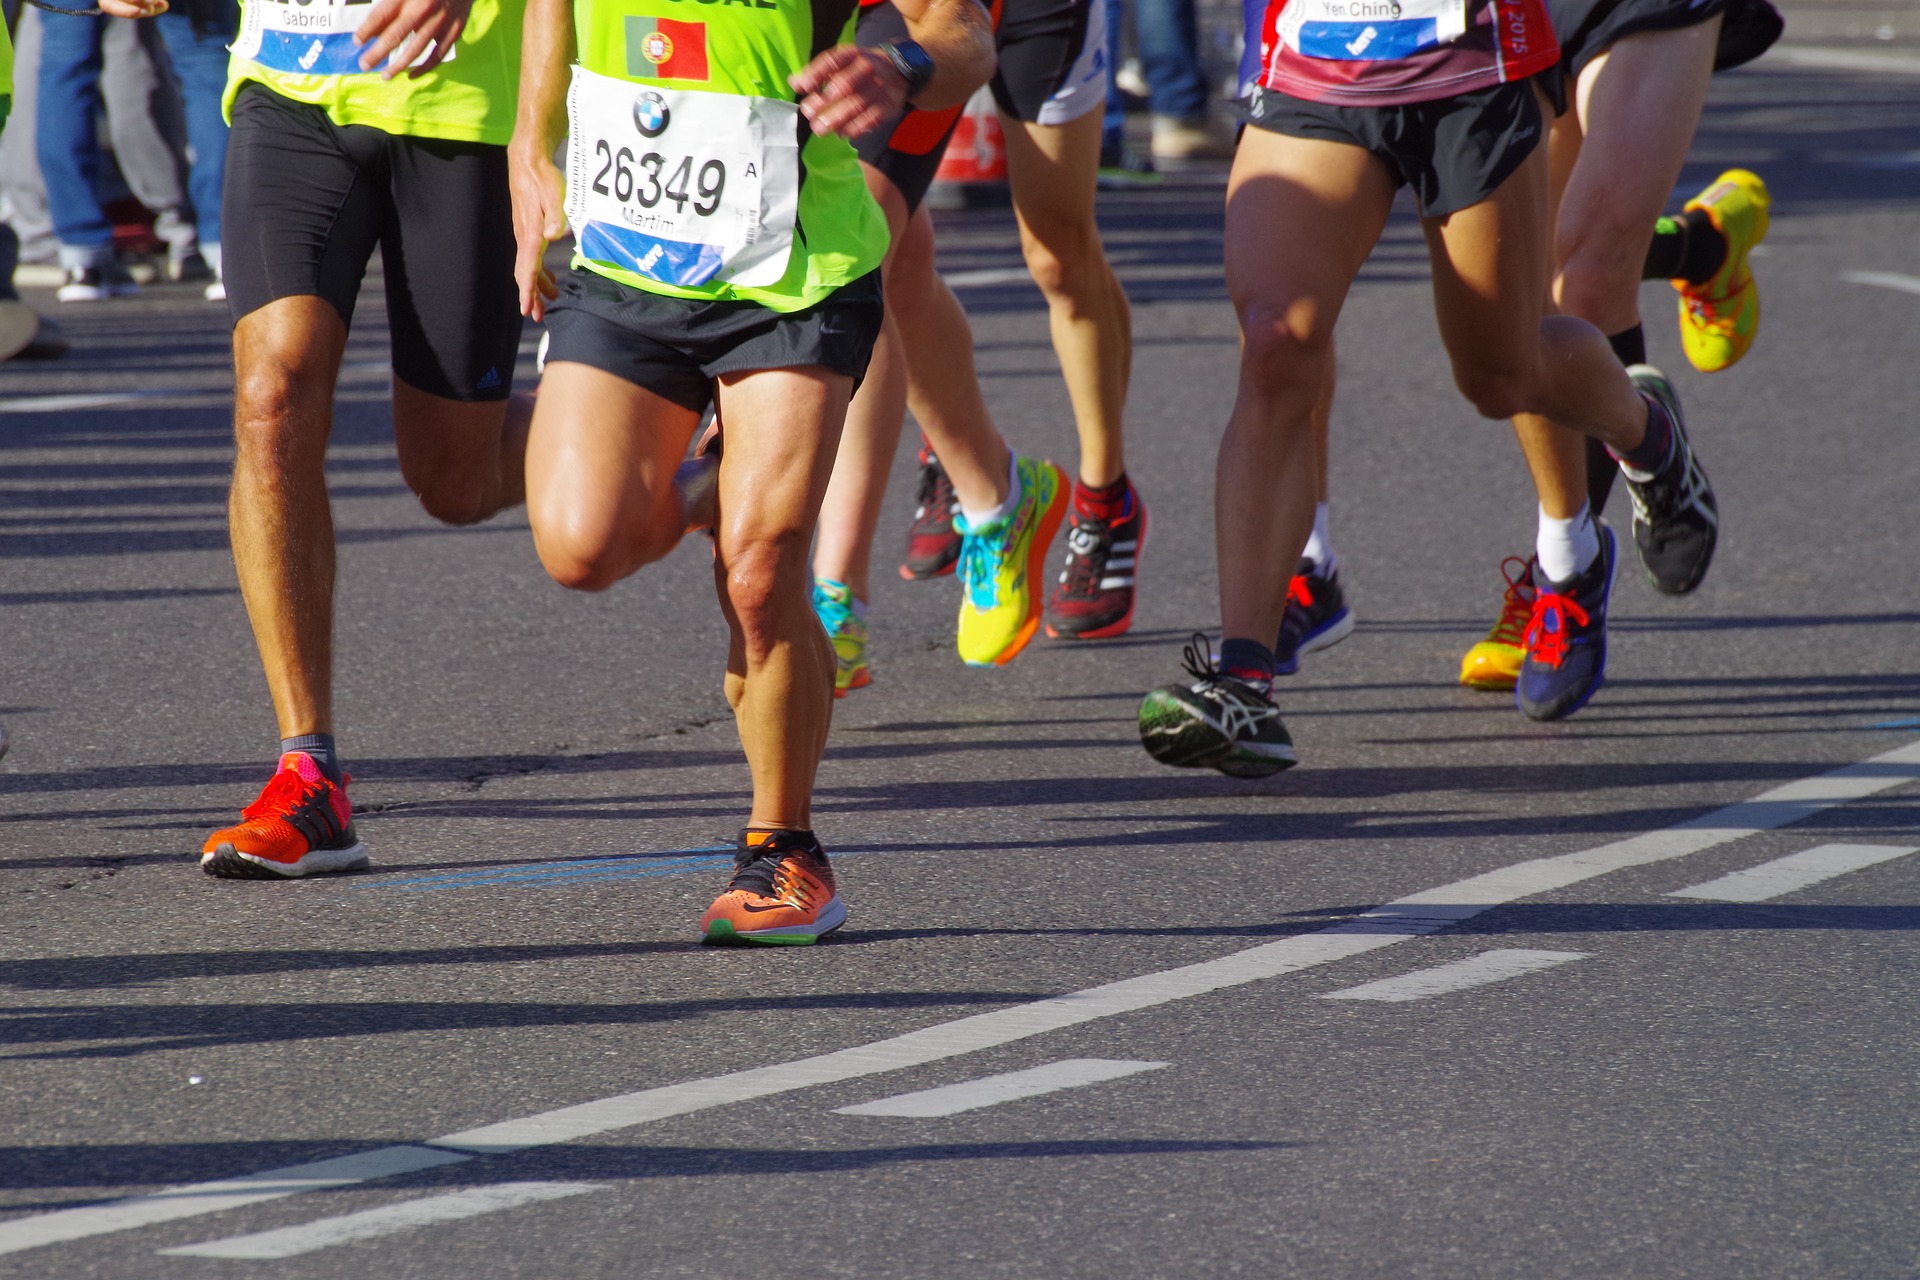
<point x="307" y="37"/>
<point x="1370" y="30"/>
<point x="682" y="186"/>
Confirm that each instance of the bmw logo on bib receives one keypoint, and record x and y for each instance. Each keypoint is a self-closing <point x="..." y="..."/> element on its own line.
<point x="650" y="115"/>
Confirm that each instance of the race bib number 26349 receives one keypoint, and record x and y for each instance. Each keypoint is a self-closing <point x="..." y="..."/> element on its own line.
<point x="685" y="187"/>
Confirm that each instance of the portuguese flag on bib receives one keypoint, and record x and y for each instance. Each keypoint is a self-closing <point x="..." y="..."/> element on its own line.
<point x="662" y="49"/>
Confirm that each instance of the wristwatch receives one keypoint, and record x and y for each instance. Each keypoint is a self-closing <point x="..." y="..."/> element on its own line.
<point x="911" y="61"/>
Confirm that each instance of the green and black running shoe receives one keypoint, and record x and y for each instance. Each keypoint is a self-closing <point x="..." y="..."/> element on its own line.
<point x="1218" y="722"/>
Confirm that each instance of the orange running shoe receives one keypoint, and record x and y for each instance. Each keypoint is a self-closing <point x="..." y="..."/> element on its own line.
<point x="781" y="892"/>
<point x="1494" y="663"/>
<point x="301" y="824"/>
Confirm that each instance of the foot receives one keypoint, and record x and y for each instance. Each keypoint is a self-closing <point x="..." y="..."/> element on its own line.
<point x="302" y="824"/>
<point x="1566" y="639"/>
<point x="933" y="545"/>
<point x="1217" y="722"/>
<point x="1676" y="518"/>
<point x="1001" y="566"/>
<point x="1094" y="597"/>
<point x="97" y="284"/>
<point x="1718" y="319"/>
<point x="781" y="893"/>
<point x="1316" y="618"/>
<point x="1494" y="663"/>
<point x="845" y="620"/>
<point x="1122" y="166"/>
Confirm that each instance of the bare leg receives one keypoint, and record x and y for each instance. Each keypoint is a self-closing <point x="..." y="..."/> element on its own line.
<point x="1284" y="193"/>
<point x="1052" y="169"/>
<point x="465" y="460"/>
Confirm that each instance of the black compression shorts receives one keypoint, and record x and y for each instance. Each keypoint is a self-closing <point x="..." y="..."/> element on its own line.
<point x="1588" y="28"/>
<point x="676" y="347"/>
<point x="1052" y="70"/>
<point x="306" y="202"/>
<point x="1453" y="152"/>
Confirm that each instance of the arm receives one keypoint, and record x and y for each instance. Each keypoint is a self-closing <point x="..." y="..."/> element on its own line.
<point x="539" y="191"/>
<point x="132" y="8"/>
<point x="849" y="90"/>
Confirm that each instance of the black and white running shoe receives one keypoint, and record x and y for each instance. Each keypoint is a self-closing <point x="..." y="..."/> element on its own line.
<point x="1676" y="519"/>
<point x="1218" y="722"/>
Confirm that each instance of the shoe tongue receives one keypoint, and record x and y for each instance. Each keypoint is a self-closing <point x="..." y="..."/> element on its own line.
<point x="758" y="840"/>
<point x="302" y="763"/>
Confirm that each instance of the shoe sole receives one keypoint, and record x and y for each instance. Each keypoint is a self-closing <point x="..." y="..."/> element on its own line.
<point x="1600" y="672"/>
<point x="1050" y="523"/>
<point x="721" y="933"/>
<point x="1121" y="627"/>
<point x="1331" y="633"/>
<point x="228" y="863"/>
<point x="859" y="681"/>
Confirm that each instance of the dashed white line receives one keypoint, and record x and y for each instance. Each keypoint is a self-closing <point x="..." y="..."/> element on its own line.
<point x="1824" y="59"/>
<point x="1413" y="916"/>
<point x="1883" y="280"/>
<point x="370" y="1224"/>
<point x="947" y="1100"/>
<point x="1474" y="971"/>
<point x="1794" y="872"/>
<point x="990" y="275"/>
<point x="108" y="399"/>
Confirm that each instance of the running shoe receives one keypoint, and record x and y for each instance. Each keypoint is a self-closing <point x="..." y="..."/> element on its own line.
<point x="1001" y="563"/>
<point x="300" y="825"/>
<point x="97" y="283"/>
<point x="1676" y="519"/>
<point x="1217" y="722"/>
<point x="1094" y="596"/>
<point x="933" y="545"/>
<point x="1494" y="663"/>
<point x="1566" y="639"/>
<point x="1316" y="618"/>
<point x="781" y="892"/>
<point x="845" y="620"/>
<point x="1121" y="166"/>
<point x="1718" y="319"/>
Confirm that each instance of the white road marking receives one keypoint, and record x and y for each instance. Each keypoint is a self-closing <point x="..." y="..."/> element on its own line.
<point x="947" y="1100"/>
<point x="1883" y="280"/>
<point x="370" y="1224"/>
<point x="991" y="275"/>
<point x="1474" y="971"/>
<point x="107" y="399"/>
<point x="211" y="1197"/>
<point x="1843" y="59"/>
<point x="1794" y="872"/>
<point x="1411" y="917"/>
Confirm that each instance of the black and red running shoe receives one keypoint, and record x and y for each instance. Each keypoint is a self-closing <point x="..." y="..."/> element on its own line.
<point x="933" y="545"/>
<point x="1094" y="597"/>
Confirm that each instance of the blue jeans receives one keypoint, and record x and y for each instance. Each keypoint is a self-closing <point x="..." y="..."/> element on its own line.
<point x="1169" y="36"/>
<point x="69" y="151"/>
<point x="198" y="51"/>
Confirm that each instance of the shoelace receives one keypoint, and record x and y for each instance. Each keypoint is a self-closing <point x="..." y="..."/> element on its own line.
<point x="1242" y="711"/>
<point x="1548" y="644"/>
<point x="757" y="869"/>
<point x="933" y="502"/>
<point x="1298" y="592"/>
<point x="833" y="613"/>
<point x="285" y="792"/>
<point x="1516" y="607"/>
<point x="981" y="555"/>
<point x="1704" y="315"/>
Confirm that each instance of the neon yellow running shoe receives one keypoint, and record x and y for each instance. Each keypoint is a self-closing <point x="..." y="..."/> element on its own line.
<point x="845" y="619"/>
<point x="1003" y="565"/>
<point x="1718" y="319"/>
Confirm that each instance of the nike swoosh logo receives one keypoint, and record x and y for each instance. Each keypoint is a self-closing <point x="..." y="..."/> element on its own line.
<point x="748" y="906"/>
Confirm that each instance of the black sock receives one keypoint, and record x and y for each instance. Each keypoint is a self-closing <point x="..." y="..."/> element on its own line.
<point x="1629" y="345"/>
<point x="1601" y="470"/>
<point x="1651" y="453"/>
<point x="1248" y="661"/>
<point x="320" y="747"/>
<point x="1688" y="248"/>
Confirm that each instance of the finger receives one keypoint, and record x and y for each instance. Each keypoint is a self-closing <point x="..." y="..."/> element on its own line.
<point x="377" y="19"/>
<point x="399" y="28"/>
<point x="443" y="42"/>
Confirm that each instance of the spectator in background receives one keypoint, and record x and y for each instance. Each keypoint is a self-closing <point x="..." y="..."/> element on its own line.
<point x="1168" y="35"/>
<point x="71" y="53"/>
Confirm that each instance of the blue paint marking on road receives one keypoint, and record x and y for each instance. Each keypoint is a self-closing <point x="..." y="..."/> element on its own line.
<point x="1911" y="722"/>
<point x="546" y="874"/>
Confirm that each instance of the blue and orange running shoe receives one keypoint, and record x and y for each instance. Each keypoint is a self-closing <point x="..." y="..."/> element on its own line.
<point x="1566" y="640"/>
<point x="782" y="892"/>
<point x="301" y="824"/>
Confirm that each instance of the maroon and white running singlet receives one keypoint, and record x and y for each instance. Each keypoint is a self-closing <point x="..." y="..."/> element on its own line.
<point x="1381" y="53"/>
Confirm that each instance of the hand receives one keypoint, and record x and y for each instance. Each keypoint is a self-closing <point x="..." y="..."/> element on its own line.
<point x="132" y="8"/>
<point x="849" y="91"/>
<point x="402" y="29"/>
<point x="539" y="218"/>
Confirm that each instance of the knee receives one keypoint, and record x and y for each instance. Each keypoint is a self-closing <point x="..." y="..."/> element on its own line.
<point x="1284" y="344"/>
<point x="1599" y="274"/>
<point x="1064" y="259"/>
<point x="576" y="559"/>
<point x="274" y="408"/>
<point x="1497" y="390"/>
<point x="765" y="577"/>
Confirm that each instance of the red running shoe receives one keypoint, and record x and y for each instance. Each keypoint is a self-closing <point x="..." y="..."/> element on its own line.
<point x="1094" y="596"/>
<point x="300" y="825"/>
<point x="933" y="544"/>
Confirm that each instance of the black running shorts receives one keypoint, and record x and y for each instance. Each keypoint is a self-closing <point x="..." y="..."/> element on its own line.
<point x="1453" y="152"/>
<point x="676" y="347"/>
<point x="307" y="201"/>
<point x="1588" y="28"/>
<point x="1052" y="70"/>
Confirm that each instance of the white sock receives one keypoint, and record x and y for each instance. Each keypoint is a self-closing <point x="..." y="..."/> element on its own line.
<point x="977" y="519"/>
<point x="1566" y="547"/>
<point x="1319" y="545"/>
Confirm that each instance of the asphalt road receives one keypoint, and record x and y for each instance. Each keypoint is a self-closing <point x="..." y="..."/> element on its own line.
<point x="506" y="1057"/>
